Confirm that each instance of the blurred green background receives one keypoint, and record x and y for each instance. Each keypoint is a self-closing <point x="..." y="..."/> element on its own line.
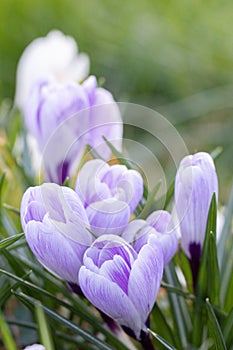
<point x="173" y="56"/>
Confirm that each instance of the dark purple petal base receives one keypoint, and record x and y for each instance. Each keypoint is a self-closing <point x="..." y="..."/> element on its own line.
<point x="73" y="287"/>
<point x="195" y="253"/>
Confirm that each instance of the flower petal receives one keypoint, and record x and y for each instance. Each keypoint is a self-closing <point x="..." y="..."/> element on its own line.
<point x="196" y="181"/>
<point x="54" y="56"/>
<point x="108" y="216"/>
<point x="117" y="271"/>
<point x="105" y="120"/>
<point x="89" y="185"/>
<point x="126" y="185"/>
<point x="137" y="233"/>
<point x="163" y="224"/>
<point x="145" y="277"/>
<point x="110" y="299"/>
<point x="58" y="254"/>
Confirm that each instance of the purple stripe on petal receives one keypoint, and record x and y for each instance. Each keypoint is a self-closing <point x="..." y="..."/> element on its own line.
<point x="146" y="276"/>
<point x="112" y="249"/>
<point x="60" y="256"/>
<point x="116" y="270"/>
<point x="110" y="299"/>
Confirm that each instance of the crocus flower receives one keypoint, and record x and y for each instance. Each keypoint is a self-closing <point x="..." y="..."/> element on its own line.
<point x="121" y="282"/>
<point x="65" y="118"/>
<point x="196" y="181"/>
<point x="110" y="194"/>
<point x="52" y="57"/>
<point x="35" y="347"/>
<point x="159" y="224"/>
<point x="56" y="229"/>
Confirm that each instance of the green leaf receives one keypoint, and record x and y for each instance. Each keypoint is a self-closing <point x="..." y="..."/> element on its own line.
<point x="150" y="200"/>
<point x="10" y="240"/>
<point x="183" y="262"/>
<point x="222" y="251"/>
<point x="12" y="209"/>
<point x="8" y="224"/>
<point x="227" y="301"/>
<point x="45" y="334"/>
<point x="177" y="291"/>
<point x="159" y="322"/>
<point x="179" y="312"/>
<point x="161" y="340"/>
<point x="207" y="274"/>
<point x="169" y="195"/>
<point x="214" y="278"/>
<point x="225" y="253"/>
<point x="2" y="179"/>
<point x="215" y="329"/>
<point x="117" y="154"/>
<point x="6" y="334"/>
<point x="5" y="293"/>
<point x="216" y="152"/>
<point x="228" y="328"/>
<point x="62" y="320"/>
<point x="209" y="262"/>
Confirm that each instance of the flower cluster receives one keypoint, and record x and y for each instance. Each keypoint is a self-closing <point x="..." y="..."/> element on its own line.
<point x="90" y="236"/>
<point x="120" y="267"/>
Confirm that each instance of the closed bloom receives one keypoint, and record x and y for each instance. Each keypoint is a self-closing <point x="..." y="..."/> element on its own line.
<point x="110" y="194"/>
<point x="196" y="182"/>
<point x="121" y="282"/>
<point x="160" y="225"/>
<point x="56" y="228"/>
<point x="64" y="118"/>
<point x="52" y="57"/>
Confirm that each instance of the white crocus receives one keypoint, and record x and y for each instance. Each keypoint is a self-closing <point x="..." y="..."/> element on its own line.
<point x="52" y="57"/>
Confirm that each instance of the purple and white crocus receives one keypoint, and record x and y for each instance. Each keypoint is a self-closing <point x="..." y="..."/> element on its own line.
<point x="54" y="56"/>
<point x="196" y="182"/>
<point x="56" y="228"/>
<point x="121" y="282"/>
<point x="110" y="195"/>
<point x="161" y="226"/>
<point x="64" y="118"/>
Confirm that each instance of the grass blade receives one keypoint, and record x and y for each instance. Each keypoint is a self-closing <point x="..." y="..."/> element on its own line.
<point x="204" y="283"/>
<point x="10" y="240"/>
<point x="68" y="324"/>
<point x="45" y="334"/>
<point x="6" y="334"/>
<point x="174" y="301"/>
<point x="228" y="328"/>
<point x="150" y="200"/>
<point x="161" y="340"/>
<point x="215" y="329"/>
<point x="222" y="256"/>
